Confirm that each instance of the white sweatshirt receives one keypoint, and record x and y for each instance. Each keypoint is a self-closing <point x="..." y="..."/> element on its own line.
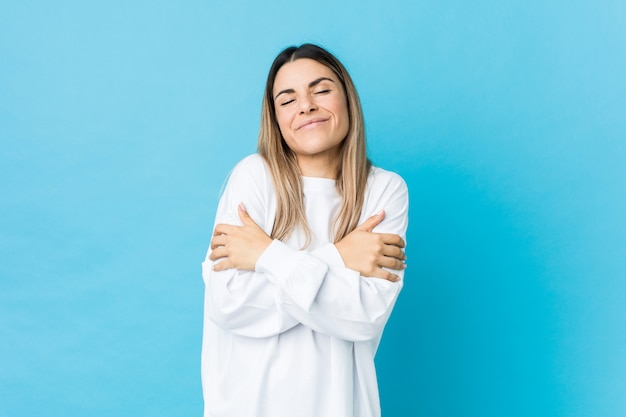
<point x="297" y="336"/>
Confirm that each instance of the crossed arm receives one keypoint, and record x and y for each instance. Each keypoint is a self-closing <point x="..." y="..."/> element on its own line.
<point x="259" y="287"/>
<point x="362" y="250"/>
<point x="261" y="299"/>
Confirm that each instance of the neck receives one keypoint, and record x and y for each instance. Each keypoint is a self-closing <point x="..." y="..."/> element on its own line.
<point x="313" y="166"/>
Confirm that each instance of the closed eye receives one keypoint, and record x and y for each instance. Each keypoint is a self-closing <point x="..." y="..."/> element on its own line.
<point x="323" y="91"/>
<point x="286" y="102"/>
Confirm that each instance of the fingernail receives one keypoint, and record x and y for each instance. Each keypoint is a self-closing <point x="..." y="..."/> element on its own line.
<point x="242" y="207"/>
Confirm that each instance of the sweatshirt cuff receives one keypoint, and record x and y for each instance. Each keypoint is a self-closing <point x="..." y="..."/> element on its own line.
<point x="296" y="272"/>
<point x="330" y="255"/>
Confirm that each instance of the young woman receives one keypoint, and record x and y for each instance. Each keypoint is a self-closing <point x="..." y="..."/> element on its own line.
<point x="306" y="260"/>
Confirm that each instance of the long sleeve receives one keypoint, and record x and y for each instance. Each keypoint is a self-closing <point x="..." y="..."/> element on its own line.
<point x="292" y="286"/>
<point x="298" y="335"/>
<point x="346" y="306"/>
<point x="245" y="302"/>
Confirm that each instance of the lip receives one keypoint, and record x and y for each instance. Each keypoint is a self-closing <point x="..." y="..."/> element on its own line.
<point x="312" y="121"/>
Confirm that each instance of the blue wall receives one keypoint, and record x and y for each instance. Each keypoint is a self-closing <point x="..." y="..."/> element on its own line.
<point x="119" y="121"/>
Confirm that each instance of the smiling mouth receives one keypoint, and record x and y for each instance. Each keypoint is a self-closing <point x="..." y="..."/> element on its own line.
<point x="311" y="123"/>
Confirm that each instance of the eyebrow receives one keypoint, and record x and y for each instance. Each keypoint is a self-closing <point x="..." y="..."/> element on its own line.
<point x="311" y="84"/>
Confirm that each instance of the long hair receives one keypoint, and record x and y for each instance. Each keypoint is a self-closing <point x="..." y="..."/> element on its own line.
<point x="353" y="167"/>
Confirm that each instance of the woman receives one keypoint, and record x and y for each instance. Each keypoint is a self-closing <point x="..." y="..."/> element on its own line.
<point x="306" y="260"/>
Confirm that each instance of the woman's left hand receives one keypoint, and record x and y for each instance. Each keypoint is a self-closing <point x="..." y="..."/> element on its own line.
<point x="239" y="247"/>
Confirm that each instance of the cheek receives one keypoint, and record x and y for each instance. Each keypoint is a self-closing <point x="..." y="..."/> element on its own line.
<point x="344" y="117"/>
<point x="283" y="121"/>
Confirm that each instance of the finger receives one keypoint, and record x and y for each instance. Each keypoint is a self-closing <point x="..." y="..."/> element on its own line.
<point x="369" y="224"/>
<point x="244" y="216"/>
<point x="391" y="263"/>
<point x="224" y="229"/>
<point x="219" y="240"/>
<point x="384" y="274"/>
<point x="217" y="253"/>
<point x="394" y="252"/>
<point x="392" y="239"/>
<point x="221" y="266"/>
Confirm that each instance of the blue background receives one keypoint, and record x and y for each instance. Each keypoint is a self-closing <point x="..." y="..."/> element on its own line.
<point x="120" y="120"/>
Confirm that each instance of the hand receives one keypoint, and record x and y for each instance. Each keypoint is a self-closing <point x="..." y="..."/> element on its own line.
<point x="239" y="246"/>
<point x="368" y="252"/>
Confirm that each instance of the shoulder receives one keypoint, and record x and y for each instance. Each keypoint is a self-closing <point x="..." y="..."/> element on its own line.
<point x="252" y="164"/>
<point x="249" y="183"/>
<point x="380" y="180"/>
<point x="251" y="169"/>
<point x="386" y="190"/>
<point x="250" y="175"/>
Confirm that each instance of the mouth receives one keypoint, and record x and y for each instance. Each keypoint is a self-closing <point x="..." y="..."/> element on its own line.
<point x="312" y="123"/>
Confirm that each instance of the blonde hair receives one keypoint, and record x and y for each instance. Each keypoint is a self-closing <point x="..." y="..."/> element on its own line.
<point x="353" y="167"/>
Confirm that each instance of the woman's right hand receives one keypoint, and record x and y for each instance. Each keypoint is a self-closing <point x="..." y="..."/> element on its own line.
<point x="368" y="253"/>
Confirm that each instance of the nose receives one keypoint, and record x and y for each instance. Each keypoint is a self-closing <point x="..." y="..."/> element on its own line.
<point x="307" y="105"/>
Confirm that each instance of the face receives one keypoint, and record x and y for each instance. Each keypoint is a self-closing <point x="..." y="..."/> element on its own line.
<point x="311" y="110"/>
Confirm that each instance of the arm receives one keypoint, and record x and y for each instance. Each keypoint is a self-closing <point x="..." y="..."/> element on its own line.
<point x="316" y="288"/>
<point x="241" y="301"/>
<point x="347" y="304"/>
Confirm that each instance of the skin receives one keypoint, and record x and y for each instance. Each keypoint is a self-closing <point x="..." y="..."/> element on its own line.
<point x="312" y="114"/>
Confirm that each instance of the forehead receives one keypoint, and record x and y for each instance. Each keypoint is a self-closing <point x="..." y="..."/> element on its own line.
<point x="300" y="73"/>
